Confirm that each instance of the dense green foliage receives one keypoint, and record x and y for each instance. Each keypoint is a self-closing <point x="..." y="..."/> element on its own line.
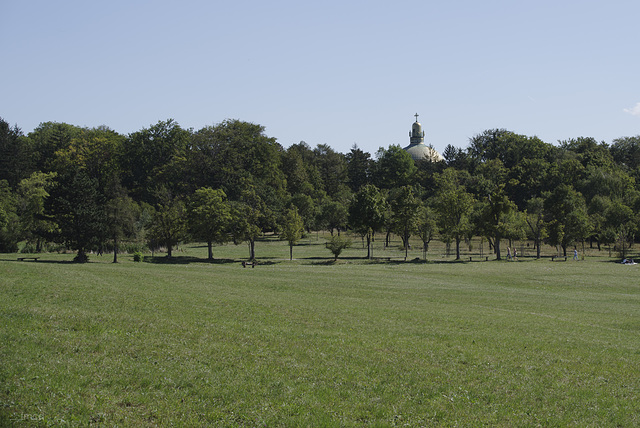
<point x="90" y="189"/>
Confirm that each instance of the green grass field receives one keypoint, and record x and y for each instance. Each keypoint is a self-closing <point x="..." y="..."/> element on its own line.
<point x="314" y="343"/>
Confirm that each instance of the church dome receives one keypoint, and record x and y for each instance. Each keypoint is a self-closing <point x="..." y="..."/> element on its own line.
<point x="417" y="149"/>
<point x="423" y="152"/>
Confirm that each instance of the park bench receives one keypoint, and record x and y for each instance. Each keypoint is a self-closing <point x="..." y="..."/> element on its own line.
<point x="558" y="257"/>
<point x="486" y="259"/>
<point x="252" y="264"/>
<point x="21" y="259"/>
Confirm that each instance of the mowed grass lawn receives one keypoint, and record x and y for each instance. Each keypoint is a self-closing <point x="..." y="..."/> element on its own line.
<point x="313" y="343"/>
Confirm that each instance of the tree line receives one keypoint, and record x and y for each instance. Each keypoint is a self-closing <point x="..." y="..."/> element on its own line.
<point x="93" y="189"/>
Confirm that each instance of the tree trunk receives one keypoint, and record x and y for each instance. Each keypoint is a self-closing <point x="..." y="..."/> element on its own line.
<point x="115" y="249"/>
<point x="210" y="248"/>
<point x="169" y="250"/>
<point x="290" y="252"/>
<point x="81" y="257"/>
<point x="497" y="248"/>
<point x="406" y="247"/>
<point x="458" y="248"/>
<point x="252" y="252"/>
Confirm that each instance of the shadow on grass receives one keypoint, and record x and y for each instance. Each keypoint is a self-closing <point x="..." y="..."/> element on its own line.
<point x="634" y="262"/>
<point x="266" y="262"/>
<point x="184" y="260"/>
<point x="392" y="261"/>
<point x="57" y="262"/>
<point x="319" y="261"/>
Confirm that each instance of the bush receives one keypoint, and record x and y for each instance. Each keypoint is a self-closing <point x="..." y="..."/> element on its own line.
<point x="29" y="247"/>
<point x="81" y="257"/>
<point x="133" y="247"/>
<point x="138" y="257"/>
<point x="336" y="244"/>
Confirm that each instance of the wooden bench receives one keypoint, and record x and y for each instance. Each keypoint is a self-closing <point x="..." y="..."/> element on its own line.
<point x="21" y="259"/>
<point x="252" y="264"/>
<point x="486" y="259"/>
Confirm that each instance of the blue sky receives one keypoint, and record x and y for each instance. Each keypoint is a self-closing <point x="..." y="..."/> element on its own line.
<point x="331" y="72"/>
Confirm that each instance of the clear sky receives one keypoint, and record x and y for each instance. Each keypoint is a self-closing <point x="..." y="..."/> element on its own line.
<point x="334" y="72"/>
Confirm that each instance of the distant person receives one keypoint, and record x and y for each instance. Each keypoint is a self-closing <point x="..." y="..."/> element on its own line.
<point x="575" y="254"/>
<point x="515" y="254"/>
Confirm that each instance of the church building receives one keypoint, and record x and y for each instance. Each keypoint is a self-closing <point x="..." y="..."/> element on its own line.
<point x="416" y="148"/>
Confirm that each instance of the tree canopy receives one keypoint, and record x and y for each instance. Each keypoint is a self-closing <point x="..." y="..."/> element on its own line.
<point x="91" y="188"/>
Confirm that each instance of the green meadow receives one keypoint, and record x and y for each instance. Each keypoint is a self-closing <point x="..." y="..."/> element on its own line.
<point x="310" y="342"/>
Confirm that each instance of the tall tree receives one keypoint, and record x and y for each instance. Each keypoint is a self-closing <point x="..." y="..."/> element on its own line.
<point x="455" y="157"/>
<point x="209" y="217"/>
<point x="296" y="172"/>
<point x="169" y="224"/>
<point x="626" y="153"/>
<point x="405" y="207"/>
<point x="394" y="168"/>
<point x="528" y="180"/>
<point x="332" y="167"/>
<point x="237" y="151"/>
<point x="48" y="138"/>
<point x="16" y="154"/>
<point x="537" y="228"/>
<point x="33" y="192"/>
<point x="495" y="204"/>
<point x="567" y="217"/>
<point x="334" y="215"/>
<point x="9" y="220"/>
<point x="454" y="207"/>
<point x="589" y="152"/>
<point x="302" y="170"/>
<point x="155" y="156"/>
<point x="508" y="147"/>
<point x="367" y="211"/>
<point x="96" y="151"/>
<point x="76" y="204"/>
<point x="358" y="168"/>
<point x="292" y="228"/>
<point x="427" y="227"/>
<point x="248" y="218"/>
<point x="121" y="210"/>
<point x="621" y="220"/>
<point x="306" y="208"/>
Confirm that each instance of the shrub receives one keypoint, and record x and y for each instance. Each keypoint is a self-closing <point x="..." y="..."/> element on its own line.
<point x="133" y="247"/>
<point x="29" y="247"/>
<point x="336" y="244"/>
<point x="138" y="257"/>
